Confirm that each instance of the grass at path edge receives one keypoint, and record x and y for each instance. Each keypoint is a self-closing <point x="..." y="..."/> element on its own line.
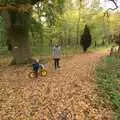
<point x="108" y="79"/>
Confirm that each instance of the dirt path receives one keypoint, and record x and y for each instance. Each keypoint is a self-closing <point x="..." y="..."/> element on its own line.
<point x="72" y="88"/>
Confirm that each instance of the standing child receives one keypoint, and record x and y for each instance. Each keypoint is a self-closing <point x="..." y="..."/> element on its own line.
<point x="56" y="54"/>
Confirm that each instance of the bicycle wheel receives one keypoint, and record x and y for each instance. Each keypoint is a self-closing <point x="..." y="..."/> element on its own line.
<point x="43" y="73"/>
<point x="32" y="75"/>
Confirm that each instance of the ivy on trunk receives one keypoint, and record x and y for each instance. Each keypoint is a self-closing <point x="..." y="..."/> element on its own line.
<point x="17" y="26"/>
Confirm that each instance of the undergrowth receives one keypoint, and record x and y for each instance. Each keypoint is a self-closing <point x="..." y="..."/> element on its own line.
<point x="108" y="78"/>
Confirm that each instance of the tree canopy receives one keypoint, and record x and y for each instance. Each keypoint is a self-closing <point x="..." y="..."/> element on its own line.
<point x="48" y="21"/>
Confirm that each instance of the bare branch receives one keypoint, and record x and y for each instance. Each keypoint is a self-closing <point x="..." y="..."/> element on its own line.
<point x="116" y="6"/>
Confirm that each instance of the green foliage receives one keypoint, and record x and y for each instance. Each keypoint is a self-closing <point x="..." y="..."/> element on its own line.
<point x="14" y="1"/>
<point x="108" y="76"/>
<point x="57" y="21"/>
<point x="36" y="32"/>
<point x="3" y="35"/>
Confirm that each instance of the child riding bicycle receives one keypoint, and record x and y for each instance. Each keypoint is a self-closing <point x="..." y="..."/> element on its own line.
<point x="37" y="67"/>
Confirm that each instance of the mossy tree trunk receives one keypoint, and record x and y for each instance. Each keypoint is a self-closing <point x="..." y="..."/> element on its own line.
<point x="17" y="26"/>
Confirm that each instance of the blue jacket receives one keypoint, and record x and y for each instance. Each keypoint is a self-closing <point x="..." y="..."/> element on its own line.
<point x="36" y="67"/>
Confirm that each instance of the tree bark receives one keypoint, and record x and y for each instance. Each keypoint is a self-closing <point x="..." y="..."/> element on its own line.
<point x="78" y="25"/>
<point x="17" y="26"/>
<point x="20" y="47"/>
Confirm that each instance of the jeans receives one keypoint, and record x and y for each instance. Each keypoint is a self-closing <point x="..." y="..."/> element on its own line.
<point x="56" y="63"/>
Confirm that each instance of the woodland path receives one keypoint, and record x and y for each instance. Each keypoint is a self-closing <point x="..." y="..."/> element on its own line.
<point x="73" y="88"/>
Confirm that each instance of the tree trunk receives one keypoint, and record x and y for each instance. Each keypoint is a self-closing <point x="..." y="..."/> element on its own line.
<point x="119" y="50"/>
<point x="20" y="47"/>
<point x="78" y="31"/>
<point x="17" y="26"/>
<point x="78" y="25"/>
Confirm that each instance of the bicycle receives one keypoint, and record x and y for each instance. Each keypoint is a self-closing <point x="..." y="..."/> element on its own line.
<point x="42" y="72"/>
